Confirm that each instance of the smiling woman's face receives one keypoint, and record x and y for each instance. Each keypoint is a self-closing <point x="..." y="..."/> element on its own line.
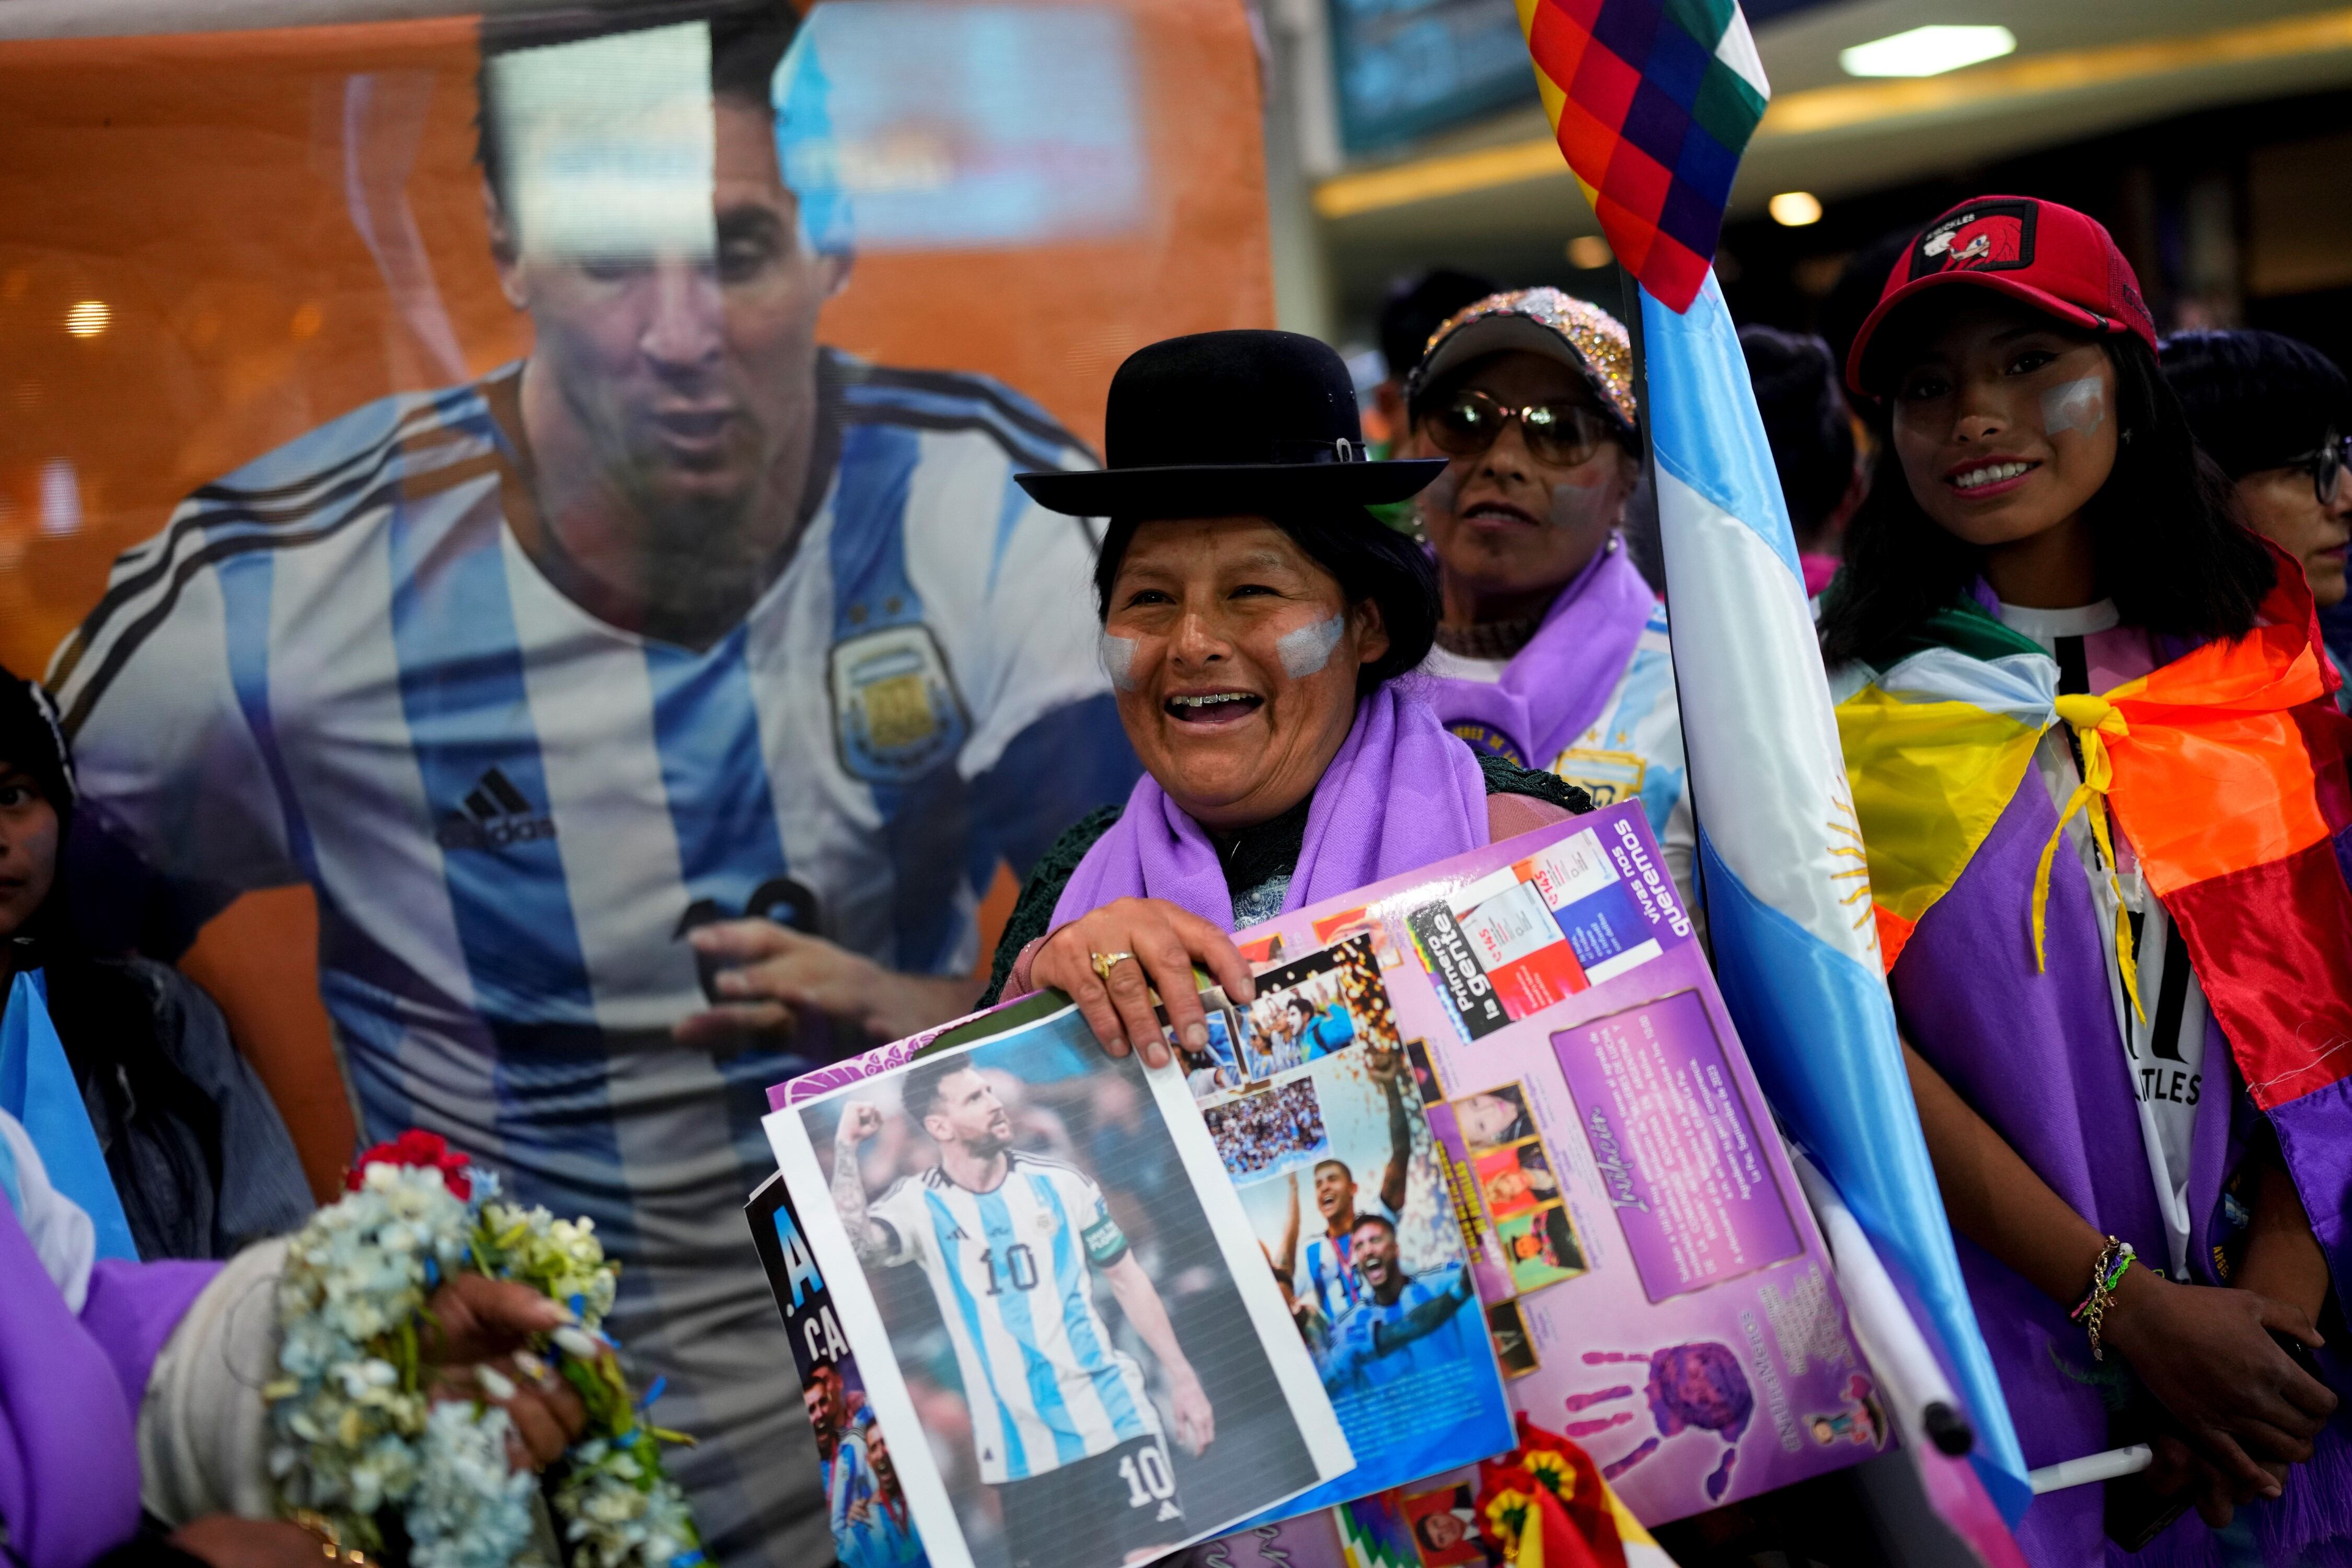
<point x="1234" y="656"/>
<point x="2005" y="423"/>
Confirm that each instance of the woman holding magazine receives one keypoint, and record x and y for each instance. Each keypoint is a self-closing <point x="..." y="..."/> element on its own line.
<point x="2072" y="689"/>
<point x="1255" y="619"/>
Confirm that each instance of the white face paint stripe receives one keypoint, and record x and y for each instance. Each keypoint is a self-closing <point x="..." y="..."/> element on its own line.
<point x="1118" y="660"/>
<point x="2076" y="405"/>
<point x="1309" y="649"/>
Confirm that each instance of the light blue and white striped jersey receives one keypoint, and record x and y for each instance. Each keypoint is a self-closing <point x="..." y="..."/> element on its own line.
<point x="339" y="666"/>
<point x="1356" y="1362"/>
<point x="1012" y="1271"/>
<point x="882" y="1538"/>
<point x="1331" y="1278"/>
<point x="1635" y="751"/>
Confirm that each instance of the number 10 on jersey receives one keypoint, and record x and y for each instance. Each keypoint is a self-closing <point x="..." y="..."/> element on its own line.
<point x="1017" y="1266"/>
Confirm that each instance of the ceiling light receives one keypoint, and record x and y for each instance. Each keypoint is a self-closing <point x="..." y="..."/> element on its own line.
<point x="88" y="318"/>
<point x="1928" y="51"/>
<point x="1589" y="251"/>
<point x="1795" y="209"/>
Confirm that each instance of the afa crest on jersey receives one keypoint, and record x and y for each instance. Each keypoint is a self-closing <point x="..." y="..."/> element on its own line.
<point x="1607" y="776"/>
<point x="895" y="712"/>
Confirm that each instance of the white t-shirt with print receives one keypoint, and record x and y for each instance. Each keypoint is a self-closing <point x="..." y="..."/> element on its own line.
<point x="2165" y="1049"/>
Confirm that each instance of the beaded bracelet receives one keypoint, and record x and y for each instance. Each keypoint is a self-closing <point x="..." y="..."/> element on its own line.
<point x="2106" y="1273"/>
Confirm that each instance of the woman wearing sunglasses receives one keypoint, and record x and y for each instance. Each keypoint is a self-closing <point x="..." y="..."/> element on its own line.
<point x="1552" y="650"/>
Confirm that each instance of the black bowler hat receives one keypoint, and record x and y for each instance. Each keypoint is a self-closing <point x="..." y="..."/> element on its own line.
<point x="1218" y="424"/>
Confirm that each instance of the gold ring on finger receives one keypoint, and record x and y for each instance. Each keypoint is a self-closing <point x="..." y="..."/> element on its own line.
<point x="1104" y="963"/>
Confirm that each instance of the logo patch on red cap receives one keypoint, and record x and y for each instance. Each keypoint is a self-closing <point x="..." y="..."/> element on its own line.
<point x="1987" y="236"/>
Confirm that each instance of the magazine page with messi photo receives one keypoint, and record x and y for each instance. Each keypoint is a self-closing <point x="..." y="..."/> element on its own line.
<point x="1325" y="1139"/>
<point x="1038" y="1261"/>
<point x="1540" y="1020"/>
<point x="866" y="1503"/>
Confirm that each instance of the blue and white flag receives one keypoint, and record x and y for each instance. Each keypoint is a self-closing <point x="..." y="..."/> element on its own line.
<point x="1787" y="892"/>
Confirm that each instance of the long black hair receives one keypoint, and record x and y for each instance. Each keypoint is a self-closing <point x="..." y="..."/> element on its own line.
<point x="1370" y="559"/>
<point x="2256" y="400"/>
<point x="2164" y="533"/>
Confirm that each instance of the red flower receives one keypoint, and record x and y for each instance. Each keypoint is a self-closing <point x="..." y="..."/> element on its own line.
<point x="424" y="1149"/>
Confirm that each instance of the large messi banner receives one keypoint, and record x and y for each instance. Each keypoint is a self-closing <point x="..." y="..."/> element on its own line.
<point x="517" y="514"/>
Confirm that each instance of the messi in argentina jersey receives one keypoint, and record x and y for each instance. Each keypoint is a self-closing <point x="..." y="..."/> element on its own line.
<point x="339" y="667"/>
<point x="1012" y="1271"/>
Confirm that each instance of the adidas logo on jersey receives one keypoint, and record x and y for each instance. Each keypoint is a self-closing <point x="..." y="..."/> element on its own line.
<point x="1169" y="1510"/>
<point x="496" y="814"/>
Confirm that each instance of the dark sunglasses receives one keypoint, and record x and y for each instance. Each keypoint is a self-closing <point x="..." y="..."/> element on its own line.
<point x="2324" y="464"/>
<point x="1564" y="434"/>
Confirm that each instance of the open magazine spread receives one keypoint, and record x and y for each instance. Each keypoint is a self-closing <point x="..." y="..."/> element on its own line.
<point x="1487" y="1119"/>
<point x="1037" y="1263"/>
<point x="1650" y="1277"/>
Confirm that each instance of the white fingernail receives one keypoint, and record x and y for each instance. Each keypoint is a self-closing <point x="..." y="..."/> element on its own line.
<point x="575" y="1342"/>
<point x="494" y="1383"/>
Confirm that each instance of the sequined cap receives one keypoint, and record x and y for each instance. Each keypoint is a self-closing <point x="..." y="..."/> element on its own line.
<point x="1541" y="320"/>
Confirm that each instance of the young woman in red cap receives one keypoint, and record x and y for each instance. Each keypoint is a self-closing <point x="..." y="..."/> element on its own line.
<point x="2102" y="793"/>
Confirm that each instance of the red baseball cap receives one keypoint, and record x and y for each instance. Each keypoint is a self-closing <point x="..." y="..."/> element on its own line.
<point x="2057" y="260"/>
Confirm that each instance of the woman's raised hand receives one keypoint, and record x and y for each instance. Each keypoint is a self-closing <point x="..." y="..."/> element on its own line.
<point x="1163" y="943"/>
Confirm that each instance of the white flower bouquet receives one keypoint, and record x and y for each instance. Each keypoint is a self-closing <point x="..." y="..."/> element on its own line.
<point x="359" y="1444"/>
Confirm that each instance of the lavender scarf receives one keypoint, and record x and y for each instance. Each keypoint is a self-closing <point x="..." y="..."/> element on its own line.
<point x="1401" y="792"/>
<point x="1555" y="687"/>
<point x="69" y="1392"/>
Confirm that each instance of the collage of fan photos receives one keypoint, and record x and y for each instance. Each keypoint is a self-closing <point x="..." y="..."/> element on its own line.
<point x="1316" y="1109"/>
<point x="1022" y="1252"/>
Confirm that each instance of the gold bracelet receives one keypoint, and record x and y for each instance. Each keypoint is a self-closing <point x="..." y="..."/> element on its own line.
<point x="2107" y="1272"/>
<point x="329" y="1538"/>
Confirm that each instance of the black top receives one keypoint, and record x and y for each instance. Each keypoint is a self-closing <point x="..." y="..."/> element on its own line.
<point x="1269" y="849"/>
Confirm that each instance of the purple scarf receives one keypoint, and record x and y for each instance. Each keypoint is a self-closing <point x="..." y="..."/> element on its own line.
<point x="70" y="1394"/>
<point x="1554" y="689"/>
<point x="2038" y="1057"/>
<point x="1401" y="792"/>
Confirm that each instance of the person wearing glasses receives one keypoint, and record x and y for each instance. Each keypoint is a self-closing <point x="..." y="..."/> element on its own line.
<point x="1552" y="650"/>
<point x="2273" y="412"/>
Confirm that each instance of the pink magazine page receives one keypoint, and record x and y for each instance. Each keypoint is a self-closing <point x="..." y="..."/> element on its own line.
<point x="1651" y="1278"/>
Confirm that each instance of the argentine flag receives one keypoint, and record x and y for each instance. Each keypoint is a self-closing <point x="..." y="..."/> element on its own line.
<point x="1787" y="892"/>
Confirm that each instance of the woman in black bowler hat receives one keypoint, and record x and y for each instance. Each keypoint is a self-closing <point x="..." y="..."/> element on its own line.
<point x="1255" y="618"/>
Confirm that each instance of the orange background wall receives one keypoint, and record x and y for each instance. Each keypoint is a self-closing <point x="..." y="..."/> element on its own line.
<point x="195" y="185"/>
